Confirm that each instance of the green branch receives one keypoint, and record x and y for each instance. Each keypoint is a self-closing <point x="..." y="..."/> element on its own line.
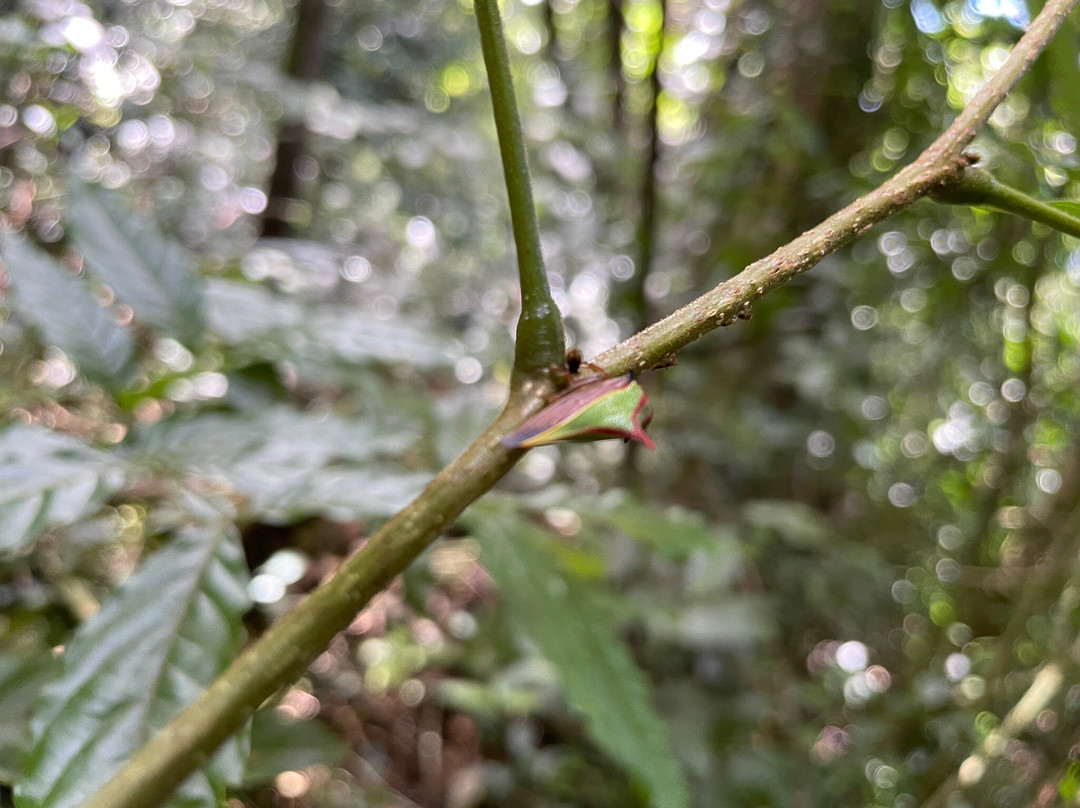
<point x="282" y="653"/>
<point x="540" y="338"/>
<point x="941" y="163"/>
<point x="977" y="186"/>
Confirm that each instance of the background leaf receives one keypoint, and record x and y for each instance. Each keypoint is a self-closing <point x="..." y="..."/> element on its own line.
<point x="796" y="523"/>
<point x="576" y="634"/>
<point x="67" y="315"/>
<point x="162" y="638"/>
<point x="917" y="393"/>
<point x="21" y="678"/>
<point x="279" y="744"/>
<point x="313" y="335"/>
<point x="152" y="274"/>
<point x="673" y="532"/>
<point x="48" y="480"/>
<point x="290" y="464"/>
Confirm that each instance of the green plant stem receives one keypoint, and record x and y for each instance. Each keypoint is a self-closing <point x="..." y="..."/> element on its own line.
<point x="541" y="341"/>
<point x="977" y="186"/>
<point x="282" y="653"/>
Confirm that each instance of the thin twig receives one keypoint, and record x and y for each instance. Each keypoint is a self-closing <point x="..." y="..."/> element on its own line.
<point x="977" y="186"/>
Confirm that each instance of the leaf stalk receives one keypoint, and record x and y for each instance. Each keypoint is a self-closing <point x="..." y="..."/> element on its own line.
<point x="541" y="341"/>
<point x="977" y="186"/>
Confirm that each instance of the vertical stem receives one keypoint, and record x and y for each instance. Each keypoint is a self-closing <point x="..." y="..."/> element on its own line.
<point x="304" y="63"/>
<point x="615" y="66"/>
<point x="540" y="338"/>
<point x="552" y="47"/>
<point x="636" y="299"/>
<point x="647" y="227"/>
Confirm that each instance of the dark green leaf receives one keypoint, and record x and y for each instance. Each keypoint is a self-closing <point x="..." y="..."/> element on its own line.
<point x="67" y="315"/>
<point x="573" y="631"/>
<point x="48" y="480"/>
<point x="152" y="274"/>
<point x="162" y="638"/>
<point x="21" y="679"/>
<point x="279" y="745"/>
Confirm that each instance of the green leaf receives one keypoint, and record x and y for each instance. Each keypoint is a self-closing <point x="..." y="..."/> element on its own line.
<point x="274" y="327"/>
<point x="492" y="701"/>
<point x="279" y="745"/>
<point x="153" y="647"/>
<point x="22" y="676"/>
<point x="339" y="494"/>
<point x="152" y="274"/>
<point x="49" y="480"/>
<point x="290" y="464"/>
<point x="1069" y="784"/>
<point x="1070" y="207"/>
<point x="67" y="315"/>
<point x="573" y="631"/>
<point x="797" y="524"/>
<point x="674" y="532"/>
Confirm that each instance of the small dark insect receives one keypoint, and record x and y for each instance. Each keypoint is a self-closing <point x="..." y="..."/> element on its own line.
<point x="573" y="360"/>
<point x="668" y="361"/>
<point x="567" y="375"/>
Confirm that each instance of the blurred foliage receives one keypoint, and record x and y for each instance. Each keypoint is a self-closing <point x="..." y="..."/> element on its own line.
<point x="848" y="567"/>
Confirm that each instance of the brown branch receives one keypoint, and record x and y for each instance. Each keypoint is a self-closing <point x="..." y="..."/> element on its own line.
<point x="304" y="64"/>
<point x="283" y="652"/>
